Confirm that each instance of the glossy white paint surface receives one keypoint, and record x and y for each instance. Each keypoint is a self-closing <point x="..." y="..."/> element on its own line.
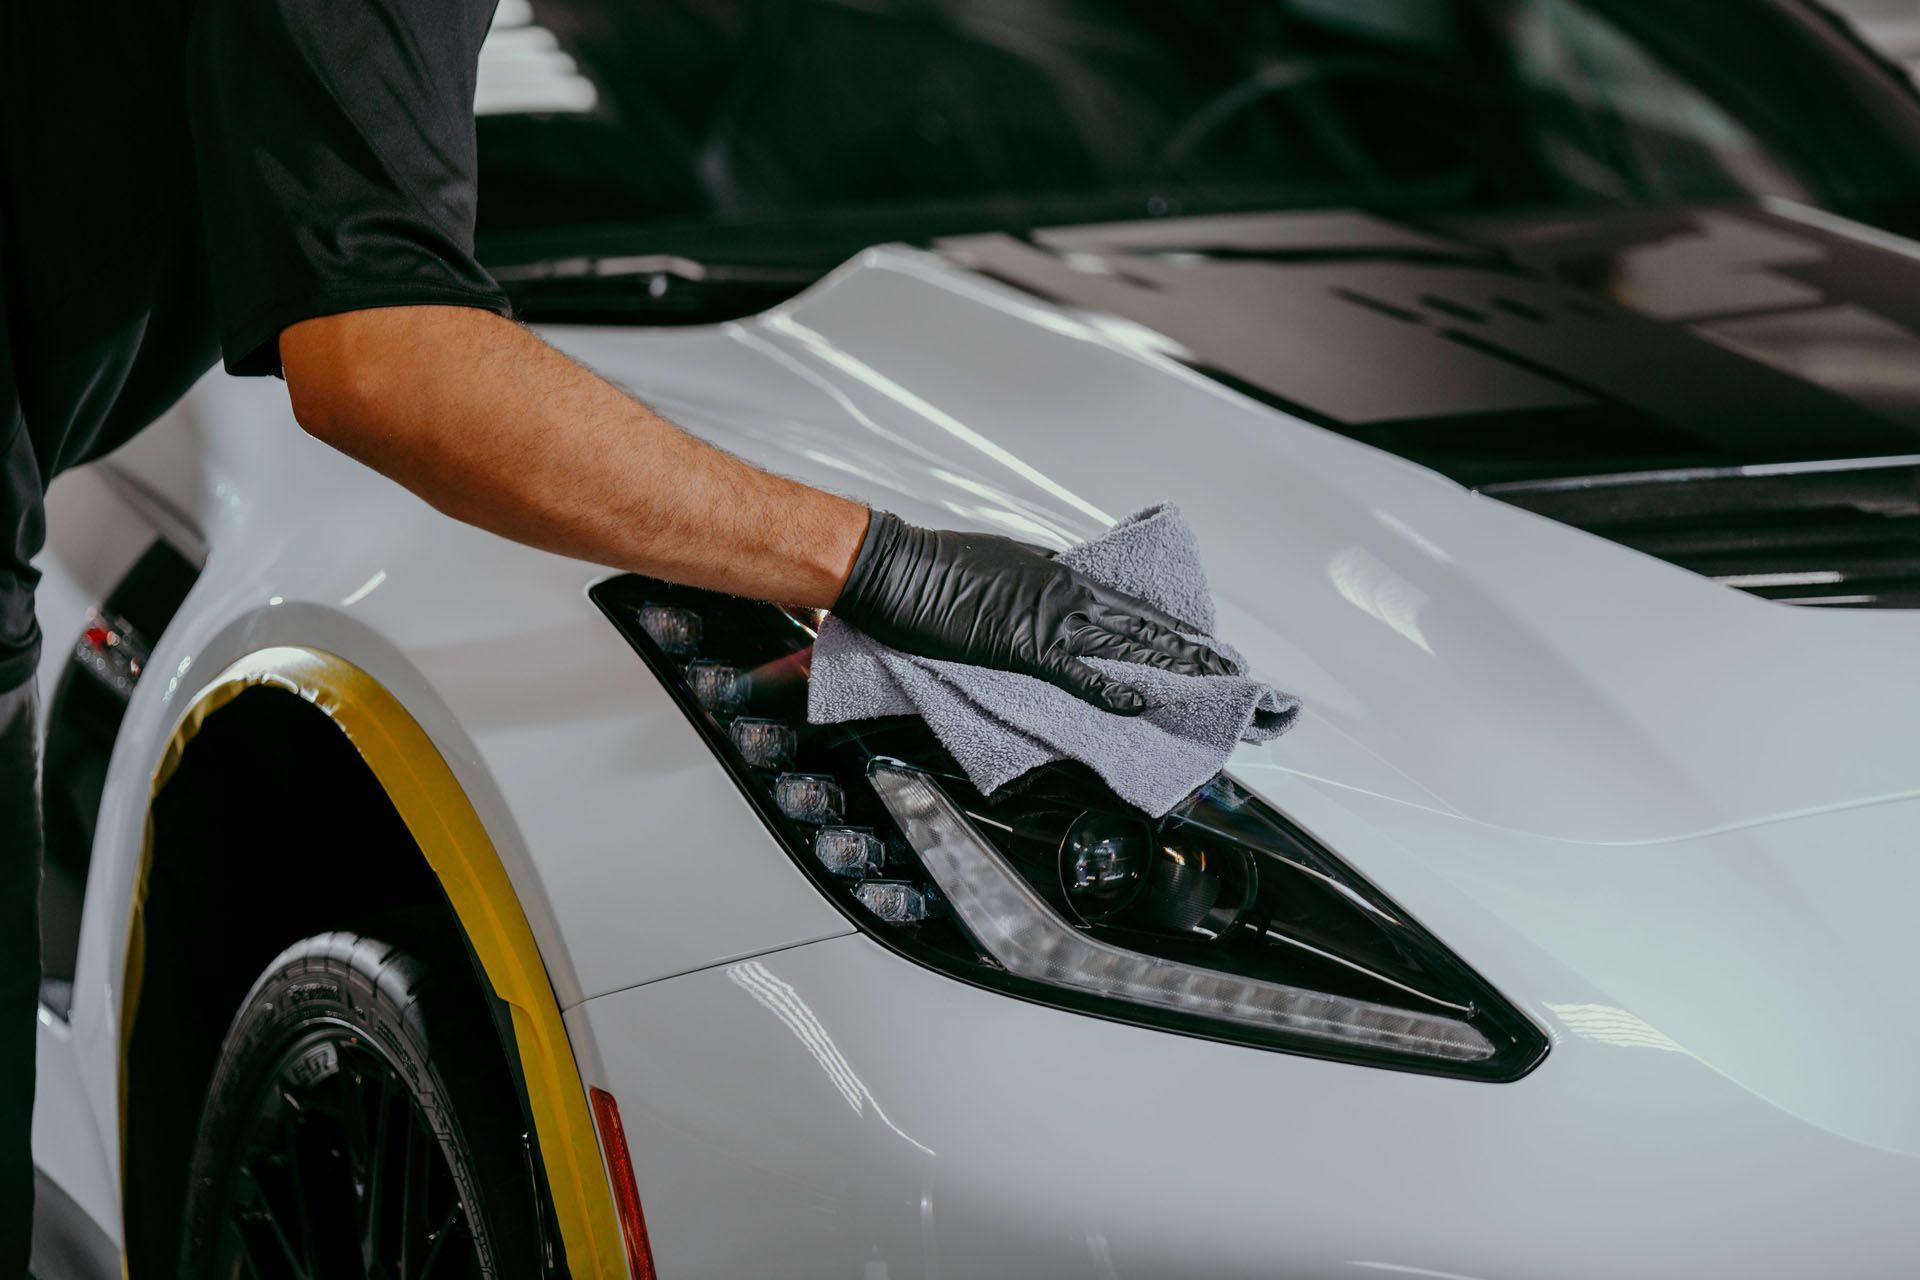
<point x="1576" y="765"/>
<point x="1725" y="1096"/>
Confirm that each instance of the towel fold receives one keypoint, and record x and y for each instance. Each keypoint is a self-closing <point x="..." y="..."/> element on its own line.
<point x="998" y="725"/>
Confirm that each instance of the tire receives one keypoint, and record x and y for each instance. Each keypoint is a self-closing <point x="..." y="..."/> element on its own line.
<point x="360" y="1122"/>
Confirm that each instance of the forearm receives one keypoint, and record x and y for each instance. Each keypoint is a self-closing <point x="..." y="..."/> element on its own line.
<point x="492" y="426"/>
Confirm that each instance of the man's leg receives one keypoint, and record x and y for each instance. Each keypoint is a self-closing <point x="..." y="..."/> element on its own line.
<point x="19" y="971"/>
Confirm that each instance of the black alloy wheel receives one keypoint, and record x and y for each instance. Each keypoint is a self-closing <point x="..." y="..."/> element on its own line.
<point x="353" y="1131"/>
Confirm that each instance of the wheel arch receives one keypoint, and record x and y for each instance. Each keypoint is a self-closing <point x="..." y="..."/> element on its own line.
<point x="402" y="764"/>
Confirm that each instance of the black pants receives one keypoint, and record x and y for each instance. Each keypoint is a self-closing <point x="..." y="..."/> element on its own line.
<point x="19" y="971"/>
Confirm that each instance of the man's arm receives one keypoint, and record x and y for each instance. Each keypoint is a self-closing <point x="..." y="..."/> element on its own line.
<point x="335" y="151"/>
<point x="494" y="427"/>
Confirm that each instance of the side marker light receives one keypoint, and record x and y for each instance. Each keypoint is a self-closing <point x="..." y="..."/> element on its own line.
<point x="626" y="1193"/>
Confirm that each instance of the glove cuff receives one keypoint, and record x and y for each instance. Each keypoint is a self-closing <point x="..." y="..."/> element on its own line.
<point x="884" y="530"/>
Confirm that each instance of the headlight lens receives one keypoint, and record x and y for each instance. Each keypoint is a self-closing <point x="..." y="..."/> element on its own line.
<point x="1221" y="919"/>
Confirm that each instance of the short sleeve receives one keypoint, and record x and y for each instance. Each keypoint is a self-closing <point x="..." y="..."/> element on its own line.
<point x="335" y="154"/>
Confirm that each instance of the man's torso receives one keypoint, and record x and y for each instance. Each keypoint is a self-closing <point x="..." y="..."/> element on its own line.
<point x="108" y="314"/>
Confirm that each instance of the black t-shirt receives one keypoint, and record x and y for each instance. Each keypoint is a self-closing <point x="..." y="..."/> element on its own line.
<point x="181" y="180"/>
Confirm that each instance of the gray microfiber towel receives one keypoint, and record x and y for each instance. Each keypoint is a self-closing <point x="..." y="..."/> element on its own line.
<point x="998" y="725"/>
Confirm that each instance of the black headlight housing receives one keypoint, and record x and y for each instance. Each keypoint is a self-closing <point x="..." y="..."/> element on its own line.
<point x="1221" y="920"/>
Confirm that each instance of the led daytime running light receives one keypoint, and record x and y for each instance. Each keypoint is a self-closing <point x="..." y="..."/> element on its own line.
<point x="1017" y="927"/>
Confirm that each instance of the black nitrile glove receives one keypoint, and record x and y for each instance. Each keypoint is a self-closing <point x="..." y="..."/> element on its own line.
<point x="993" y="602"/>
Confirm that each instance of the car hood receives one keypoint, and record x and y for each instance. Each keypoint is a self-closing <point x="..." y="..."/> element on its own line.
<point x="1454" y="652"/>
<point x="1523" y="347"/>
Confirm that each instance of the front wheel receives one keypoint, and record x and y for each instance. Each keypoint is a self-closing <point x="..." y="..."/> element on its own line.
<point x="359" y="1124"/>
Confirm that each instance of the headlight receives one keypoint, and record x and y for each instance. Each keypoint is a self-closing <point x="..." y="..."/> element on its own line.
<point x="1221" y="920"/>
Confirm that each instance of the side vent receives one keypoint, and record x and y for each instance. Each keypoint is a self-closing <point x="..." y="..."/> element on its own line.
<point x="82" y="722"/>
<point x="1834" y="534"/>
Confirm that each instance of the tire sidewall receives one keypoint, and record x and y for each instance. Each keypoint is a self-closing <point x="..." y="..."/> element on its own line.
<point x="321" y="990"/>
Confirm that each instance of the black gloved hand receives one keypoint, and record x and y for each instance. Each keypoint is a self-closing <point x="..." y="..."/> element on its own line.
<point x="993" y="602"/>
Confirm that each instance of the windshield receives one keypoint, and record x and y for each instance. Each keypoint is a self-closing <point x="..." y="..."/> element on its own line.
<point x="795" y="131"/>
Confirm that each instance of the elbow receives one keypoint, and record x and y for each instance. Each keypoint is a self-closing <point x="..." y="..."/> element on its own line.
<point x="343" y="391"/>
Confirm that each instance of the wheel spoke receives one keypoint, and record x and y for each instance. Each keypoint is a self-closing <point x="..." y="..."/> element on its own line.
<point x="298" y="1181"/>
<point x="376" y="1168"/>
<point x="267" y="1215"/>
<point x="242" y="1238"/>
<point x="406" y="1199"/>
<point x="361" y="1159"/>
<point x="439" y="1238"/>
<point x="423" y="1192"/>
<point x="246" y="1209"/>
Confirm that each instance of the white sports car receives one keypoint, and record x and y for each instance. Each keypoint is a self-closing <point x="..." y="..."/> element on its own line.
<point x="1540" y="377"/>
